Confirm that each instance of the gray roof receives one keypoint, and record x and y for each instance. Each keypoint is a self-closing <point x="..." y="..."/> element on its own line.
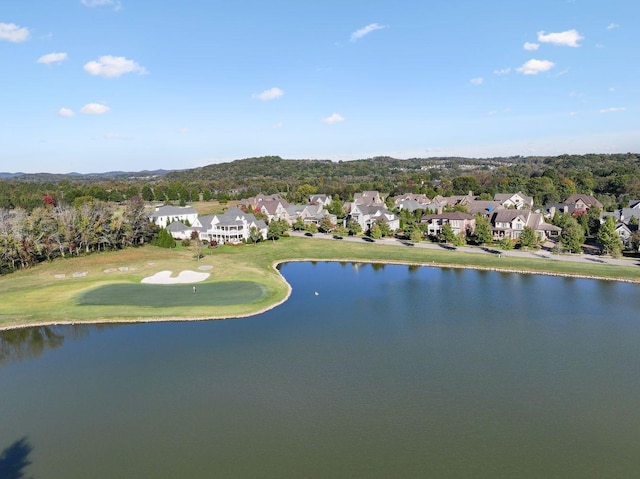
<point x="483" y="206"/>
<point x="176" y="227"/>
<point x="173" y="211"/>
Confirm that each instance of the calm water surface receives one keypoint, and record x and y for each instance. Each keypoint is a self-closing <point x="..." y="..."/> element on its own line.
<point x="389" y="371"/>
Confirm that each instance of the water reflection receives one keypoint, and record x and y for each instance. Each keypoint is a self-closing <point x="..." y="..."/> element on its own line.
<point x="29" y="343"/>
<point x="14" y="459"/>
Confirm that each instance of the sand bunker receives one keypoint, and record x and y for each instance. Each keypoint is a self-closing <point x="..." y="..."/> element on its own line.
<point x="164" y="277"/>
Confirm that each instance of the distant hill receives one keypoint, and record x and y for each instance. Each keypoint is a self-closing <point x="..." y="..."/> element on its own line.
<point x="86" y="177"/>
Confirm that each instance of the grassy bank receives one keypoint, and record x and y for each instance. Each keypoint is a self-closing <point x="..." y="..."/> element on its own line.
<point x="50" y="292"/>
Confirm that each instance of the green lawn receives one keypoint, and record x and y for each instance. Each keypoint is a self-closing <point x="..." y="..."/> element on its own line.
<point x="69" y="290"/>
<point x="168" y="295"/>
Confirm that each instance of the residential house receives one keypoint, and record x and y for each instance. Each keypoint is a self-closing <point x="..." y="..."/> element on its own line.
<point x="323" y="200"/>
<point x="484" y="207"/>
<point x="273" y="209"/>
<point x="458" y="221"/>
<point x="309" y="214"/>
<point x="368" y="198"/>
<point x="413" y="202"/>
<point x="578" y="204"/>
<point x="511" y="223"/>
<point x="232" y="226"/>
<point x="366" y="216"/>
<point x="164" y="215"/>
<point x="517" y="200"/>
<point x="255" y="202"/>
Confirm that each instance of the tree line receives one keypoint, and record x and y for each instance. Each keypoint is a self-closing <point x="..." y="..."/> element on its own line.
<point x="613" y="179"/>
<point x="53" y="231"/>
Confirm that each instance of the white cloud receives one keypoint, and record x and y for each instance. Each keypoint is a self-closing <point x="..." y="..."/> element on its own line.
<point x="533" y="67"/>
<point x="612" y="110"/>
<point x="477" y="81"/>
<point x="334" y="118"/>
<point x="110" y="66"/>
<point x="94" y="109"/>
<point x="570" y="38"/>
<point x="103" y="3"/>
<point x="612" y="26"/>
<point x="50" y="58"/>
<point x="276" y="126"/>
<point x="13" y="33"/>
<point x="504" y="71"/>
<point x="65" y="112"/>
<point x="530" y="46"/>
<point x="358" y="34"/>
<point x="270" y="94"/>
<point x="183" y="129"/>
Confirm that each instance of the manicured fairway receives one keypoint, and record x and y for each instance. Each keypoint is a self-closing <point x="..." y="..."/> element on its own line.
<point x="165" y="295"/>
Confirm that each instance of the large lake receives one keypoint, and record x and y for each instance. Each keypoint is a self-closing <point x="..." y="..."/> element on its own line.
<point x="389" y="371"/>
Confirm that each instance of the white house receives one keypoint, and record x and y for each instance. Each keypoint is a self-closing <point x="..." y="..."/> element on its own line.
<point x="233" y="226"/>
<point x="164" y="215"/>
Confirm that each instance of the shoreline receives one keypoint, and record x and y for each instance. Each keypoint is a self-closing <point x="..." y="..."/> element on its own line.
<point x="275" y="266"/>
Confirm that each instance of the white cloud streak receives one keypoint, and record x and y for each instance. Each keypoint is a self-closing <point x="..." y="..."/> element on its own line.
<point x="13" y="33"/>
<point x="570" y="38"/>
<point x="477" y="81"/>
<point x="103" y="3"/>
<point x="504" y="71"/>
<point x="113" y="67"/>
<point x="358" y="34"/>
<point x="65" y="112"/>
<point x="533" y="67"/>
<point x="334" y="118"/>
<point x="612" y="26"/>
<point x="270" y="94"/>
<point x="94" y="109"/>
<point x="530" y="46"/>
<point x="50" y="58"/>
<point x="612" y="110"/>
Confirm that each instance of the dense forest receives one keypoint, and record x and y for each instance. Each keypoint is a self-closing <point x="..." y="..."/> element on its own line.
<point x="613" y="179"/>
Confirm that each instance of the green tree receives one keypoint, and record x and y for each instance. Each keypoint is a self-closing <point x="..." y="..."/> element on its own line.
<point x="255" y="235"/>
<point x="528" y="238"/>
<point x="341" y="231"/>
<point x="147" y="193"/>
<point x="385" y="229"/>
<point x="354" y="227"/>
<point x="375" y="232"/>
<point x="482" y="232"/>
<point x="609" y="238"/>
<point x="593" y="220"/>
<point x="464" y="184"/>
<point x="506" y="243"/>
<point x="415" y="235"/>
<point x="447" y="235"/>
<point x="164" y="239"/>
<point x="311" y="228"/>
<point x="336" y="207"/>
<point x="326" y="225"/>
<point x="572" y="236"/>
<point x="460" y="239"/>
<point x="298" y="224"/>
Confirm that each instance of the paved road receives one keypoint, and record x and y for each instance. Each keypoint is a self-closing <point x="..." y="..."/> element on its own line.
<point x="542" y="253"/>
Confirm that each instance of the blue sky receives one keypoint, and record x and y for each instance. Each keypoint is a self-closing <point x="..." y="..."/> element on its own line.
<point x="101" y="85"/>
